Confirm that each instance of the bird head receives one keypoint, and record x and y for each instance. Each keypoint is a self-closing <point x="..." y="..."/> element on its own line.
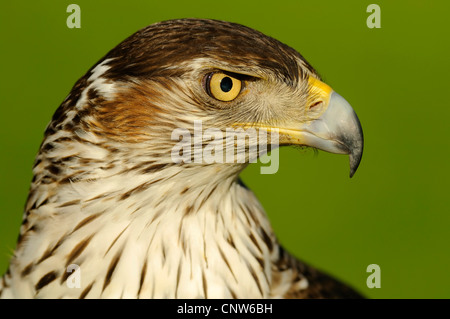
<point x="171" y="74"/>
<point x="107" y="194"/>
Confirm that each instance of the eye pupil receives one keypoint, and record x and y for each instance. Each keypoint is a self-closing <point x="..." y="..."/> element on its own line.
<point x="226" y="84"/>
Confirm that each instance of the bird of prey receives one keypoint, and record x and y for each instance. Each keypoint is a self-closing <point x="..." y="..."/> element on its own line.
<point x="108" y="199"/>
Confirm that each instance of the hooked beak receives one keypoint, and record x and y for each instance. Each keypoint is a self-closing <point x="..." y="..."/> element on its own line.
<point x="336" y="130"/>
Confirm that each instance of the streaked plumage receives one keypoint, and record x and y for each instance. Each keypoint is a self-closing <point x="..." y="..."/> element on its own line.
<point x="107" y="196"/>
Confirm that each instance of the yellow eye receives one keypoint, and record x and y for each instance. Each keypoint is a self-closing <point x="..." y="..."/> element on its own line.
<point x="223" y="87"/>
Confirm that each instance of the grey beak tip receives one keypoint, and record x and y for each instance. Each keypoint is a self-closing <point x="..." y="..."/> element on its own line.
<point x="355" y="158"/>
<point x="352" y="172"/>
<point x="353" y="169"/>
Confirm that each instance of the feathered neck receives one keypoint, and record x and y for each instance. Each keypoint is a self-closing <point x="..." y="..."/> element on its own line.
<point x="148" y="228"/>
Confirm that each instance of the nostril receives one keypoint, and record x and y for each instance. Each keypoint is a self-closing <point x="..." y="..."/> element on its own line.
<point x="315" y="104"/>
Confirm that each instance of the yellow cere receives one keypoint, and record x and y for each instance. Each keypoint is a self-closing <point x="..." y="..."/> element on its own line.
<point x="318" y="91"/>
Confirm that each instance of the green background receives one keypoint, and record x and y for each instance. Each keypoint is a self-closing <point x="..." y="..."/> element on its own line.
<point x="394" y="212"/>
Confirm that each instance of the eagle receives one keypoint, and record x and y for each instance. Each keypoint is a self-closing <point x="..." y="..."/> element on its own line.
<point x="108" y="198"/>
